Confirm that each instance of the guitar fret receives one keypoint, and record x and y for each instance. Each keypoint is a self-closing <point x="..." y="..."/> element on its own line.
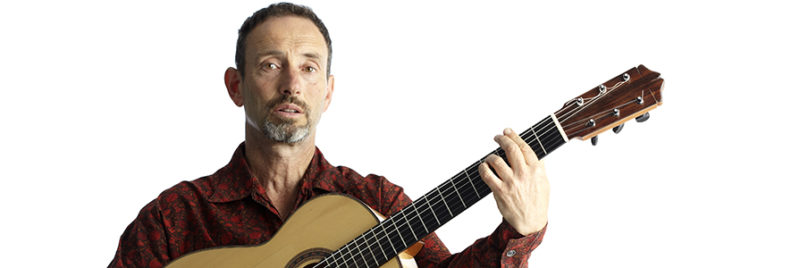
<point x="366" y="244"/>
<point x="383" y="227"/>
<point x="444" y="201"/>
<point x="349" y="252"/>
<point x="431" y="208"/>
<point x="470" y="183"/>
<point x="420" y="217"/>
<point x="409" y="225"/>
<point x="378" y="241"/>
<point x="537" y="139"/>
<point x="343" y="259"/>
<point x="360" y="253"/>
<point x="336" y="264"/>
<point x="457" y="193"/>
<point x="399" y="234"/>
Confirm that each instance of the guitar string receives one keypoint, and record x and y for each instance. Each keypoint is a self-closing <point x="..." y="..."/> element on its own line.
<point x="439" y="207"/>
<point x="460" y="181"/>
<point x="438" y="204"/>
<point x="455" y="188"/>
<point x="374" y="240"/>
<point x="606" y="113"/>
<point x="459" y="186"/>
<point x="595" y="98"/>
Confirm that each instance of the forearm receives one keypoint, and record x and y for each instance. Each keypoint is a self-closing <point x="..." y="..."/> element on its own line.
<point x="505" y="247"/>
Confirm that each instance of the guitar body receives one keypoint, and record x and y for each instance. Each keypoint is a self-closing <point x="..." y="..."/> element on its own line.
<point x="316" y="229"/>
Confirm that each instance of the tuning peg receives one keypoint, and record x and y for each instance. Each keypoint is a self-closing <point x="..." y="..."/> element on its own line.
<point x="617" y="129"/>
<point x="643" y="117"/>
<point x="594" y="140"/>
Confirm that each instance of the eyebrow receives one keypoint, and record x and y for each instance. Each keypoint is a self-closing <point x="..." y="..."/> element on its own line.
<point x="270" y="53"/>
<point x="312" y="55"/>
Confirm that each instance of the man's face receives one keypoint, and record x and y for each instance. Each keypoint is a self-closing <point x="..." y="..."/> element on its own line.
<point x="285" y="86"/>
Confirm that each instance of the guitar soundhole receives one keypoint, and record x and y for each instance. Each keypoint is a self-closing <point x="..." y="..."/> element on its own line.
<point x="309" y="258"/>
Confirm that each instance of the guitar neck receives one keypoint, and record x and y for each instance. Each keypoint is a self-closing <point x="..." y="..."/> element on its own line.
<point x="440" y="205"/>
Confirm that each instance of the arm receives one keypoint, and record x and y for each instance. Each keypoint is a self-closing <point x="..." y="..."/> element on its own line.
<point x="505" y="247"/>
<point x="522" y="194"/>
<point x="144" y="242"/>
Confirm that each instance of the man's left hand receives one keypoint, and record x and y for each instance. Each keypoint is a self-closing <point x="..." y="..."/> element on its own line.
<point x="521" y="189"/>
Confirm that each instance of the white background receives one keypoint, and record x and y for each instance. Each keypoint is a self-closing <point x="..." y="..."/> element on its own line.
<point x="104" y="105"/>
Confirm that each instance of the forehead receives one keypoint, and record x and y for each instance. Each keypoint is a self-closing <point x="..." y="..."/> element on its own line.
<point x="286" y="33"/>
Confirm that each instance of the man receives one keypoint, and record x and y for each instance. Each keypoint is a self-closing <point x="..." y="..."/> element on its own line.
<point x="283" y="81"/>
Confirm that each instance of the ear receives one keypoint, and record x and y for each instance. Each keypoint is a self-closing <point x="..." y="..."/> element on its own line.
<point x="233" y="81"/>
<point x="328" y="92"/>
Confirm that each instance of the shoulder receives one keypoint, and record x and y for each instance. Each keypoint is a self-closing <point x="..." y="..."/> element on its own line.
<point x="177" y="198"/>
<point x="374" y="190"/>
<point x="345" y="179"/>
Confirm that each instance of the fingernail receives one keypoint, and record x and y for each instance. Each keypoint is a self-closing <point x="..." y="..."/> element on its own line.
<point x="507" y="131"/>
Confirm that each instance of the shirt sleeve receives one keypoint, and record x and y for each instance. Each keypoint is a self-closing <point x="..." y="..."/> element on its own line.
<point x="144" y="243"/>
<point x="505" y="247"/>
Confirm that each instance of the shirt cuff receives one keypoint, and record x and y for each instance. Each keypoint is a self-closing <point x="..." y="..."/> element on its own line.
<point x="516" y="248"/>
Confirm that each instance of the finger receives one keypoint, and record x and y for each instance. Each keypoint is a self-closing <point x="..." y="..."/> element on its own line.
<point x="513" y="152"/>
<point x="501" y="169"/>
<point x="488" y="177"/>
<point x="527" y="151"/>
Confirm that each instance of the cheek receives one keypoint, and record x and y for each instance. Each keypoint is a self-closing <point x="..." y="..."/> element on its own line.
<point x="320" y="106"/>
<point x="315" y="79"/>
<point x="253" y="104"/>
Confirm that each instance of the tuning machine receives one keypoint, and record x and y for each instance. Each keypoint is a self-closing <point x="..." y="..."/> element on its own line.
<point x="643" y="117"/>
<point x="617" y="129"/>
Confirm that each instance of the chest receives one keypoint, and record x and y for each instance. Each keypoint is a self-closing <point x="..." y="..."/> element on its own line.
<point x="284" y="202"/>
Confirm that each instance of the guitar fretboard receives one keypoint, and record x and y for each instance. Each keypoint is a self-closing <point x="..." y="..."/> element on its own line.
<point x="435" y="208"/>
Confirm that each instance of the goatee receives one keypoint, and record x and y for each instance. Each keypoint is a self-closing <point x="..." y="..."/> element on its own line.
<point x="283" y="129"/>
<point x="285" y="132"/>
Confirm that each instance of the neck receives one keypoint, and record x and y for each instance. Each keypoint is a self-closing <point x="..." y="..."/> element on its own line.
<point x="278" y="166"/>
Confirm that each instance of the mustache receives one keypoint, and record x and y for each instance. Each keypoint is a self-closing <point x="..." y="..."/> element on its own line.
<point x="287" y="99"/>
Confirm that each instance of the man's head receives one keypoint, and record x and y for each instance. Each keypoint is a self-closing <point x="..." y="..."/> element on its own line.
<point x="283" y="80"/>
<point x="279" y="10"/>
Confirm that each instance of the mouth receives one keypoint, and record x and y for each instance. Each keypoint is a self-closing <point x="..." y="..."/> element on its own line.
<point x="288" y="109"/>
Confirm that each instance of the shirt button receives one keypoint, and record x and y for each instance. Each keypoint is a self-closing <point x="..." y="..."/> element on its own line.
<point x="511" y="253"/>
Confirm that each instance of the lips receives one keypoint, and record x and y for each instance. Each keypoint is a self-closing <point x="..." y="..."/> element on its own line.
<point x="288" y="109"/>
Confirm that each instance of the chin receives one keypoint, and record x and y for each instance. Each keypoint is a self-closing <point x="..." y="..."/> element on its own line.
<point x="285" y="133"/>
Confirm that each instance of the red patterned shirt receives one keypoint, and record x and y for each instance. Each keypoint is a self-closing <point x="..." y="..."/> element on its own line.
<point x="230" y="207"/>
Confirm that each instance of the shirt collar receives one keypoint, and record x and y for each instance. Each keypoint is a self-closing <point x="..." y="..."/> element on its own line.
<point x="235" y="182"/>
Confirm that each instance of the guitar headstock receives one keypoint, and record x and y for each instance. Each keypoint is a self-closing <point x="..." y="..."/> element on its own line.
<point x="629" y="95"/>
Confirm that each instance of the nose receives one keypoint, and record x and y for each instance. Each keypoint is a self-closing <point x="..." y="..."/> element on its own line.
<point x="291" y="83"/>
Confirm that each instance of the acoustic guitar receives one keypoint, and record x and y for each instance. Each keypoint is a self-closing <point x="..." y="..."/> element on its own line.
<point x="338" y="231"/>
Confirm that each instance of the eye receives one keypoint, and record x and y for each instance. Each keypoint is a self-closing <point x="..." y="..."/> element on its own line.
<point x="309" y="69"/>
<point x="270" y="66"/>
